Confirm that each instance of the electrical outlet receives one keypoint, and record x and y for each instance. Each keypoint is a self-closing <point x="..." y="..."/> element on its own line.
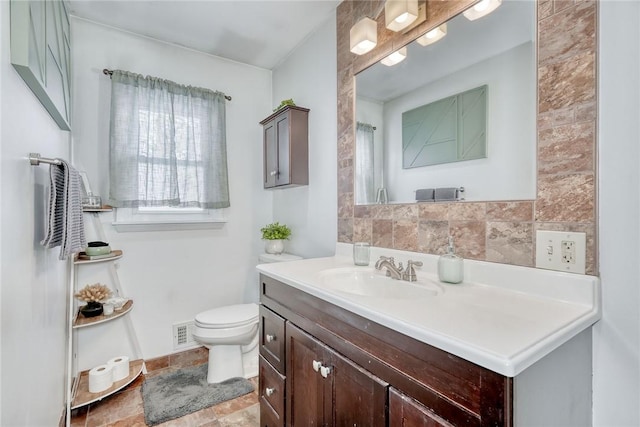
<point x="561" y="250"/>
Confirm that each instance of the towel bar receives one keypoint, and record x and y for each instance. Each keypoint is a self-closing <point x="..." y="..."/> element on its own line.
<point x="35" y="159"/>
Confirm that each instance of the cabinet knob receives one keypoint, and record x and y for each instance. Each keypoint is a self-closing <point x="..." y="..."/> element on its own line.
<point x="269" y="391"/>
<point x="271" y="337"/>
<point x="273" y="173"/>
<point x="317" y="365"/>
<point x="325" y="371"/>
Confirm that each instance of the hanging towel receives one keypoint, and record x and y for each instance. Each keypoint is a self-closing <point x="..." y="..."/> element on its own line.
<point x="65" y="225"/>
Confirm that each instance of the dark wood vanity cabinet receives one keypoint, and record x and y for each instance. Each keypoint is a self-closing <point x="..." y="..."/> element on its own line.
<point x="286" y="148"/>
<point x="367" y="374"/>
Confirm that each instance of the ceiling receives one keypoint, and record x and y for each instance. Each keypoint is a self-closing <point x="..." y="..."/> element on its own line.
<point x="259" y="33"/>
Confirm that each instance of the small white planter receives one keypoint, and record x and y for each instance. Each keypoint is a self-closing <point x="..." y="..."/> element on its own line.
<point x="274" y="246"/>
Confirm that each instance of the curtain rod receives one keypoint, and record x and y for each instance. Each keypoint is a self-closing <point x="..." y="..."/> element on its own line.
<point x="108" y="72"/>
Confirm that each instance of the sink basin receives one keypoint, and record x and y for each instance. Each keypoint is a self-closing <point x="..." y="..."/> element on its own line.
<point x="367" y="282"/>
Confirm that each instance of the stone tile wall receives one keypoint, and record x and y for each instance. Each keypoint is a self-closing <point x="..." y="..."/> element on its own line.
<point x="501" y="232"/>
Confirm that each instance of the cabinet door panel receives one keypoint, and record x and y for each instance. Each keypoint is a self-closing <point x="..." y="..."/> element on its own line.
<point x="305" y="386"/>
<point x="406" y="412"/>
<point x="284" y="172"/>
<point x="270" y="154"/>
<point x="359" y="397"/>
<point x="272" y="395"/>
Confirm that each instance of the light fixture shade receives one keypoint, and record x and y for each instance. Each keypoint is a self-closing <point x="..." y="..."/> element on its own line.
<point x="433" y="35"/>
<point x="399" y="14"/>
<point x="396" y="57"/>
<point x="481" y="9"/>
<point x="363" y="36"/>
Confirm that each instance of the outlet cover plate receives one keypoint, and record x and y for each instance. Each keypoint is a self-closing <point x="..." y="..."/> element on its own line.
<point x="551" y="251"/>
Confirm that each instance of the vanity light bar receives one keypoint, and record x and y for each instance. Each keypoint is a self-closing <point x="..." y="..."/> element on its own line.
<point x="395" y="58"/>
<point x="433" y="35"/>
<point x="481" y="9"/>
<point x="363" y="36"/>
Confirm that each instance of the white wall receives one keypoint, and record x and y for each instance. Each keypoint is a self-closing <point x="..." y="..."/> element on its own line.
<point x="172" y="275"/>
<point x="33" y="282"/>
<point x="509" y="171"/>
<point x="309" y="77"/>
<point x="616" y="339"/>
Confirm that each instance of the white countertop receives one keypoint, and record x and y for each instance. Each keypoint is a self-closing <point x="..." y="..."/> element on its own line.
<point x="502" y="317"/>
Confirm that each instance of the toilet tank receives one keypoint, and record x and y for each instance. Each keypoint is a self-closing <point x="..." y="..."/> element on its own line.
<point x="267" y="258"/>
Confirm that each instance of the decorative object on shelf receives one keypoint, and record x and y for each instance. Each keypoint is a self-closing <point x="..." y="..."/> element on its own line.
<point x="97" y="248"/>
<point x="274" y="235"/>
<point x="93" y="295"/>
<point x="91" y="201"/>
<point x="284" y="103"/>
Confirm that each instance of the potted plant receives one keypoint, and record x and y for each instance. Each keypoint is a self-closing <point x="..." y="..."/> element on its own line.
<point x="93" y="295"/>
<point x="274" y="235"/>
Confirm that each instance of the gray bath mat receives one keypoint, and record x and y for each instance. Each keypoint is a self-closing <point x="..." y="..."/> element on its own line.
<point x="176" y="394"/>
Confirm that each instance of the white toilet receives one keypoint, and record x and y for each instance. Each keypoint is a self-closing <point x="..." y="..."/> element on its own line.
<point x="226" y="332"/>
<point x="231" y="335"/>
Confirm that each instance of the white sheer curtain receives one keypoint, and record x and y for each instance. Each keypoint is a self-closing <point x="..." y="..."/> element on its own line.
<point x="365" y="187"/>
<point x="167" y="144"/>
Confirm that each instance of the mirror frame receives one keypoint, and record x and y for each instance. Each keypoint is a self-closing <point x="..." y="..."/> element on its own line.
<point x="496" y="231"/>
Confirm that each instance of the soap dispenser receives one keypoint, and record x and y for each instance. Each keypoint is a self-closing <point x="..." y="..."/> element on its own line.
<point x="450" y="266"/>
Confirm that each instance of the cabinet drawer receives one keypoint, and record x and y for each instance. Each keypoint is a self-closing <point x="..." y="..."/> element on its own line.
<point x="271" y="394"/>
<point x="272" y="342"/>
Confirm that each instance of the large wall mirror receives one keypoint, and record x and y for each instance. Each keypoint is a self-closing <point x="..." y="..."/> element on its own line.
<point x="497" y="52"/>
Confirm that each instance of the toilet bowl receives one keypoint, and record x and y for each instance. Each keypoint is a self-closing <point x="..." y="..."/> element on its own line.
<point x="225" y="331"/>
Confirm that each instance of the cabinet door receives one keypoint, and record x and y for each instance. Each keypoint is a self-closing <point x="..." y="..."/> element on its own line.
<point x="283" y="177"/>
<point x="270" y="154"/>
<point x="358" y="397"/>
<point x="305" y="387"/>
<point x="407" y="412"/>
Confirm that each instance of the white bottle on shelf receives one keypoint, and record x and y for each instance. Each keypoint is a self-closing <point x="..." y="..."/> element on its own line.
<point x="450" y="266"/>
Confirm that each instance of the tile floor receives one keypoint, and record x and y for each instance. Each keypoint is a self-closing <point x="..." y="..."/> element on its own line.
<point x="124" y="409"/>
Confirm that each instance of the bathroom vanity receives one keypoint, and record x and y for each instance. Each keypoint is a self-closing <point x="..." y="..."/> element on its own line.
<point x="345" y="345"/>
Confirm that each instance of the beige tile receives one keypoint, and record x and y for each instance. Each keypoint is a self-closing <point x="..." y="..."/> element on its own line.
<point x="345" y="205"/>
<point x="408" y="211"/>
<point x="567" y="83"/>
<point x="577" y="33"/>
<point x="362" y="211"/>
<point x="554" y="118"/>
<point x="566" y="198"/>
<point x="187" y="358"/>
<point x="510" y="243"/>
<point x="79" y="417"/>
<point x="405" y="235"/>
<point x="345" y="180"/>
<point x="382" y="211"/>
<point x="123" y="405"/>
<point x="586" y="112"/>
<point x="345" y="230"/>
<point x="362" y="230"/>
<point x="469" y="238"/>
<point x="133" y="421"/>
<point x="545" y="8"/>
<point x="238" y="404"/>
<point x="433" y="211"/>
<point x="567" y="149"/>
<point x="249" y="417"/>
<point x="467" y="211"/>
<point x="433" y="237"/>
<point x="510" y="211"/>
<point x="382" y="233"/>
<point x="199" y="418"/>
<point x="157" y="363"/>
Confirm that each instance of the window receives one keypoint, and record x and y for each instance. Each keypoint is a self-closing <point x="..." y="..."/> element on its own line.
<point x="168" y="161"/>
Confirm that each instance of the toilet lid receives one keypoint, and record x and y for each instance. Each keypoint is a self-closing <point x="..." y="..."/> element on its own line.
<point x="228" y="316"/>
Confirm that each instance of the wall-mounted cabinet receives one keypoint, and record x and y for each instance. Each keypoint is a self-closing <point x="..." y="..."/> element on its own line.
<point x="286" y="148"/>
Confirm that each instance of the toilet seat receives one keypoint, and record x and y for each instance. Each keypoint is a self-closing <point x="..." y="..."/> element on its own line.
<point x="228" y="317"/>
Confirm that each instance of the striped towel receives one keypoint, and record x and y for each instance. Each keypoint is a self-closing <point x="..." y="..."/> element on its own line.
<point x="65" y="225"/>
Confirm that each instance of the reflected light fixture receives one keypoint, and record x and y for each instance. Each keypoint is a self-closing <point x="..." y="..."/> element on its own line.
<point x="396" y="57"/>
<point x="481" y="9"/>
<point x="433" y="35"/>
<point x="399" y="14"/>
<point x="363" y="36"/>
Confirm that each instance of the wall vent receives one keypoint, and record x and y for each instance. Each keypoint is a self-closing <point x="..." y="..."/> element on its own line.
<point x="182" y="335"/>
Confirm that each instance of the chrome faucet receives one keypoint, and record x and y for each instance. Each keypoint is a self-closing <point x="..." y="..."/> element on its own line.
<point x="388" y="263"/>
<point x="408" y="274"/>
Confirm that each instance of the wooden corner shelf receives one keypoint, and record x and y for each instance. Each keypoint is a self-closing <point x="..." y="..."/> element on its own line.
<point x="82" y="395"/>
<point x="103" y="208"/>
<point x="81" y="321"/>
<point x="117" y="254"/>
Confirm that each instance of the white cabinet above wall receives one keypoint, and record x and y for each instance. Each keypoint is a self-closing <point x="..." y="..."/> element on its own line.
<point x="41" y="53"/>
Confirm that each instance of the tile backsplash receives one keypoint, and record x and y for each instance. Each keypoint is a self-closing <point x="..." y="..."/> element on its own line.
<point x="501" y="232"/>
